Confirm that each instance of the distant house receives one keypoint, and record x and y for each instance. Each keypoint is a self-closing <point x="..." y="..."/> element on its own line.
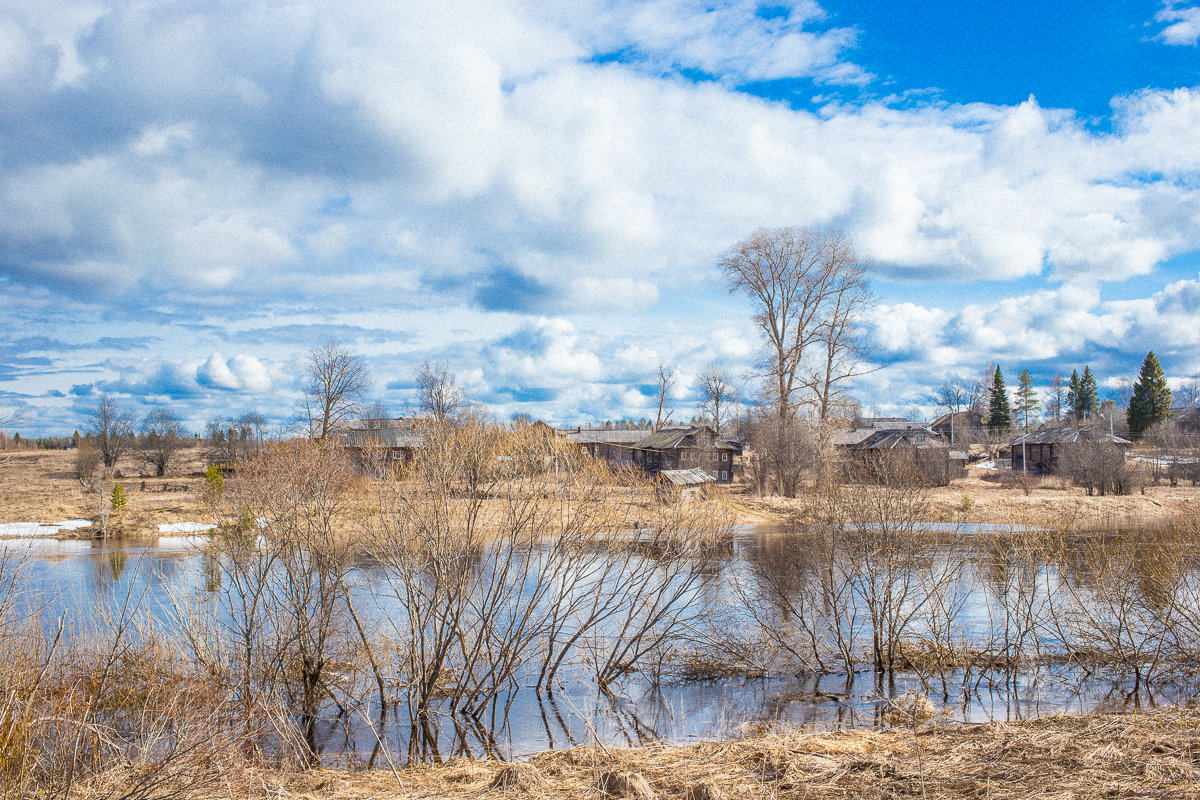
<point x="1187" y="419"/>
<point x="920" y="447"/>
<point x="864" y="428"/>
<point x="611" y="445"/>
<point x="688" y="448"/>
<point x="395" y="440"/>
<point x="1043" y="449"/>
<point x="960" y="428"/>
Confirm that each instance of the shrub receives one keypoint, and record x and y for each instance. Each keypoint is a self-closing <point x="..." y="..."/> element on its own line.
<point x="87" y="458"/>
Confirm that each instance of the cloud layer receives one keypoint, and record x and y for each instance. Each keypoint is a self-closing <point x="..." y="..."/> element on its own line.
<point x="540" y="194"/>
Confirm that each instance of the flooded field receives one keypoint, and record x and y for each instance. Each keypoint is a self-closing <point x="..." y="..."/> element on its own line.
<point x="768" y="629"/>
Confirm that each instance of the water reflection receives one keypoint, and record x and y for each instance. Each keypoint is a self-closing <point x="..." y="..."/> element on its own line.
<point x="805" y="600"/>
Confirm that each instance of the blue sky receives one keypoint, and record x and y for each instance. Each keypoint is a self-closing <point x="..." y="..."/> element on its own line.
<point x="193" y="195"/>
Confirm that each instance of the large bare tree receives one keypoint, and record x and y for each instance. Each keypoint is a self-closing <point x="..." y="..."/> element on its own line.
<point x="807" y="287"/>
<point x="841" y="343"/>
<point x="113" y="426"/>
<point x="337" y="382"/>
<point x="438" y="392"/>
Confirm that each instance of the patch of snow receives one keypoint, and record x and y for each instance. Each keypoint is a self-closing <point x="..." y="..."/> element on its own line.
<point x="985" y="465"/>
<point x="185" y="527"/>
<point x="33" y="529"/>
<point x="263" y="522"/>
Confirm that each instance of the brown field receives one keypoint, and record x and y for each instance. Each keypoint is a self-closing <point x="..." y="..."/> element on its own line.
<point x="1154" y="753"/>
<point x="1049" y="502"/>
<point x="40" y="486"/>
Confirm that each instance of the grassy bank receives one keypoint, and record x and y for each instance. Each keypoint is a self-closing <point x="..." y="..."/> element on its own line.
<point x="1146" y="754"/>
<point x="40" y="486"/>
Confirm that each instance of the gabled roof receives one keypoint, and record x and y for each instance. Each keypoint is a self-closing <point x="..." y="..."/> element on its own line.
<point x="385" y="437"/>
<point x="1066" y="434"/>
<point x="969" y="417"/>
<point x="671" y="438"/>
<point x="686" y="477"/>
<point x="913" y="437"/>
<point x="623" y="436"/>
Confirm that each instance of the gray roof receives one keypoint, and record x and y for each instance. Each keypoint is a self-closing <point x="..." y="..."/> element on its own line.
<point x="385" y="437"/>
<point x="373" y="424"/>
<point x="671" y="438"/>
<point x="686" y="477"/>
<point x="914" y="437"/>
<point x="625" y="436"/>
<point x="1066" y="434"/>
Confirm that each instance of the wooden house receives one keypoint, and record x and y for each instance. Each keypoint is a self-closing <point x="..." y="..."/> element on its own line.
<point x="922" y="449"/>
<point x="1040" y="451"/>
<point x="961" y="428"/>
<point x="392" y="441"/>
<point x="611" y="445"/>
<point x="688" y="448"/>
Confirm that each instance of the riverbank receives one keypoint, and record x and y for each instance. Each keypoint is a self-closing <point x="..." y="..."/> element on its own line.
<point x="1152" y="753"/>
<point x="977" y="500"/>
<point x="40" y="486"/>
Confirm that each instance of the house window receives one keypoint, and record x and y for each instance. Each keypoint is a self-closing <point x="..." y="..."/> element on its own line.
<point x="724" y="475"/>
<point x="724" y="456"/>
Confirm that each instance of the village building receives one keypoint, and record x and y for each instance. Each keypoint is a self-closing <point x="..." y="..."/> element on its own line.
<point x="613" y="446"/>
<point x="684" y="484"/>
<point x="927" y="453"/>
<point x="961" y="428"/>
<point x="863" y="428"/>
<point x="388" y="441"/>
<point x="688" y="448"/>
<point x="1041" y="451"/>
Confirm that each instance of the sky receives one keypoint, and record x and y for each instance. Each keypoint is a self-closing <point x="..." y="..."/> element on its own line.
<point x="193" y="195"/>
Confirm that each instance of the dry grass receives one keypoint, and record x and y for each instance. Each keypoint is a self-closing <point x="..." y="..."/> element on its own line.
<point x="40" y="486"/>
<point x="1048" y="503"/>
<point x="1152" y="754"/>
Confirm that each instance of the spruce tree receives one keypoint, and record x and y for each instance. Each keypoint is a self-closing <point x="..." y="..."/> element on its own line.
<point x="1151" y="400"/>
<point x="999" y="415"/>
<point x="1027" y="400"/>
<point x="1088" y="399"/>
<point x="1073" y="394"/>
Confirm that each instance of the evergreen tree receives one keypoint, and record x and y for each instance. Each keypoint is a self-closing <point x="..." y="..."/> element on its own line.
<point x="1027" y="400"/>
<point x="1087" y="401"/>
<point x="999" y="414"/>
<point x="1151" y="400"/>
<point x="1073" y="394"/>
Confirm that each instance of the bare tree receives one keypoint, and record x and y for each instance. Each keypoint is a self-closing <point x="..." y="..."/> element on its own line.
<point x="790" y="274"/>
<point x="1055" y="396"/>
<point x="337" y="382"/>
<point x="162" y="438"/>
<point x="253" y="428"/>
<point x="373" y="412"/>
<point x="716" y="391"/>
<point x="113" y="427"/>
<point x="666" y="380"/>
<point x="438" y="393"/>
<point x="841" y="344"/>
<point x="1187" y="395"/>
<point x="954" y="395"/>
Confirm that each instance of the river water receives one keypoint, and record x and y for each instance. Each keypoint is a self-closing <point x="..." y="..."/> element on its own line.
<point x="85" y="581"/>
